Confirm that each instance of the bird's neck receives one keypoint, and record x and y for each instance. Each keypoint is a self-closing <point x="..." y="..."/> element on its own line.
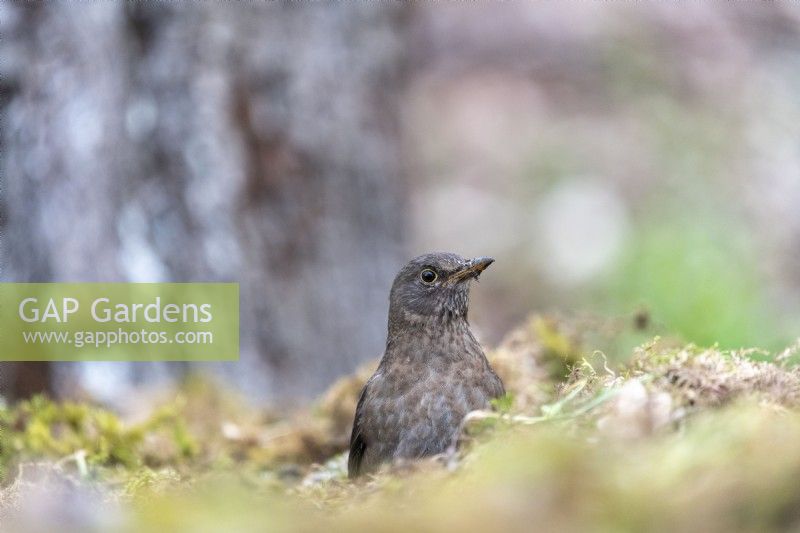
<point x="432" y="338"/>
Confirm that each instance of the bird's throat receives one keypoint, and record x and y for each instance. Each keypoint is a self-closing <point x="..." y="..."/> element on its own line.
<point x="432" y="339"/>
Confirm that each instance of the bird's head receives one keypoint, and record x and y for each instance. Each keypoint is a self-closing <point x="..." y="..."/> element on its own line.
<point x="434" y="287"/>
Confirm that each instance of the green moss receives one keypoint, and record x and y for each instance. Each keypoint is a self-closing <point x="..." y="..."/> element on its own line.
<point x="560" y="353"/>
<point x="676" y="438"/>
<point x="41" y="429"/>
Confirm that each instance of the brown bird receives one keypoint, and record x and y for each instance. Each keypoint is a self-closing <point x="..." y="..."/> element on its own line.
<point x="433" y="371"/>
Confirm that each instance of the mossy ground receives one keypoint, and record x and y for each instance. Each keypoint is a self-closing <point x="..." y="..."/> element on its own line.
<point x="671" y="438"/>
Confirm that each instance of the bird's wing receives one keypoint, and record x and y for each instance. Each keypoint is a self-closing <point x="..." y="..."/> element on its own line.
<point x="497" y="385"/>
<point x="357" y="443"/>
<point x="494" y="384"/>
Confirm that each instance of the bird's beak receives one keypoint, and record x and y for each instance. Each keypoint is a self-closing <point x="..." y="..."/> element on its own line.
<point x="471" y="270"/>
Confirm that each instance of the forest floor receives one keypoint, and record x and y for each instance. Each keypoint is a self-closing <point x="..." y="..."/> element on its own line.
<point x="670" y="437"/>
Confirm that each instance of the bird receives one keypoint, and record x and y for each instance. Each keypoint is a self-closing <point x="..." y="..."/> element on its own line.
<point x="433" y="371"/>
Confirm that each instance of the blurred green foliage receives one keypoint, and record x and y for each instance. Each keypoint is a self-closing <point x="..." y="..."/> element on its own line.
<point x="697" y="275"/>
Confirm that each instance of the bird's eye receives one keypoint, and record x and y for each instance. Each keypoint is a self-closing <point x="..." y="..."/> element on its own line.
<point x="428" y="275"/>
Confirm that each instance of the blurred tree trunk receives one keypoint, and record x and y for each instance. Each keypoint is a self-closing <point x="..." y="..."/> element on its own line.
<point x="211" y="141"/>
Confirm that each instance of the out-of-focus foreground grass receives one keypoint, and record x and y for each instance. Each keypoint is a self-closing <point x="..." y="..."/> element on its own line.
<point x="677" y="438"/>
